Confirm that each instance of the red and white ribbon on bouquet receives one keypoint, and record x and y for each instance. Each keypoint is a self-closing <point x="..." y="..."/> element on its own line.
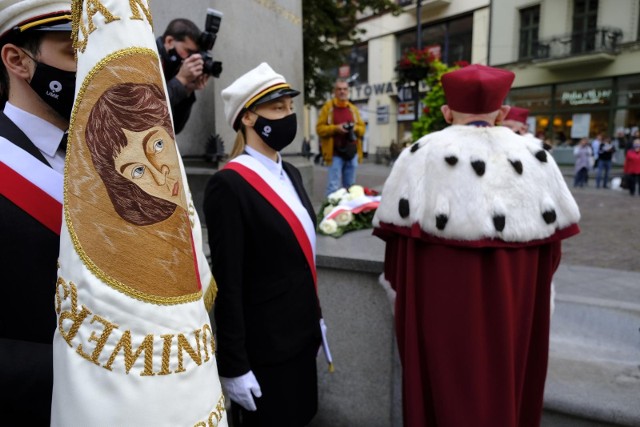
<point x="355" y="206"/>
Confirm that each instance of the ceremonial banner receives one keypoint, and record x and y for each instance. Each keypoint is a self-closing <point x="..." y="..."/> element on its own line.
<point x="134" y="345"/>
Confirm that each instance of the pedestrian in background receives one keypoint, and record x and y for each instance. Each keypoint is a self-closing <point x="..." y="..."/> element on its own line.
<point x="472" y="260"/>
<point x="262" y="237"/>
<point x="340" y="129"/>
<point x="37" y="81"/>
<point x="583" y="163"/>
<point x="595" y="147"/>
<point x="632" y="167"/>
<point x="605" y="155"/>
<point x="516" y="120"/>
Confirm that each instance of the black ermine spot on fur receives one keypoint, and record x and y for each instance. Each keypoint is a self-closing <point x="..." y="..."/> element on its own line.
<point x="498" y="222"/>
<point x="415" y="147"/>
<point x="452" y="160"/>
<point x="549" y="216"/>
<point x="478" y="166"/>
<point x="517" y="165"/>
<point x="542" y="156"/>
<point x="403" y="208"/>
<point x="441" y="221"/>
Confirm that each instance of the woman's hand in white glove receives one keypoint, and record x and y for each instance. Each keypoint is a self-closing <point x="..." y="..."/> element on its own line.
<point x="242" y="389"/>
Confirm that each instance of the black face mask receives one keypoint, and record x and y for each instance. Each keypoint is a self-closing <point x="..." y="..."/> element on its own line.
<point x="279" y="133"/>
<point x="56" y="87"/>
<point x="171" y="63"/>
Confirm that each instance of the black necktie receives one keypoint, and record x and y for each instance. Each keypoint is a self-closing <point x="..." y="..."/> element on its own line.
<point x="63" y="143"/>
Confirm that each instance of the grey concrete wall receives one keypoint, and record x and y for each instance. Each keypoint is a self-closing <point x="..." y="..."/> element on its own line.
<point x="364" y="390"/>
<point x="252" y="31"/>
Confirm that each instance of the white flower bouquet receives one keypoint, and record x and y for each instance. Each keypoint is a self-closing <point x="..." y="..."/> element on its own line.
<point x="347" y="210"/>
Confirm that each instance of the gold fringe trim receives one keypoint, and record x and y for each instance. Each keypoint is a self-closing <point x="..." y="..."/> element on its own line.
<point x="210" y="295"/>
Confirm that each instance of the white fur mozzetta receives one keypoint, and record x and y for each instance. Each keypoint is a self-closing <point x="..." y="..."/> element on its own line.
<point x="471" y="183"/>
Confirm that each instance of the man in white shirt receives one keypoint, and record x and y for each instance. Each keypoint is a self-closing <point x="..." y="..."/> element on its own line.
<point x="37" y="84"/>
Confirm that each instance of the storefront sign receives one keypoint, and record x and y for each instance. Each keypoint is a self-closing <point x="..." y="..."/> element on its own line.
<point x="382" y="114"/>
<point x="387" y="88"/>
<point x="587" y="97"/>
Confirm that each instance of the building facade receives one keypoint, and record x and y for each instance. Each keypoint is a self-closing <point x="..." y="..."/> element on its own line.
<point x="577" y="62"/>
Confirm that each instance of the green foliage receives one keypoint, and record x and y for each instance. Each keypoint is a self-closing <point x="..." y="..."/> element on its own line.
<point x="328" y="32"/>
<point x="432" y="119"/>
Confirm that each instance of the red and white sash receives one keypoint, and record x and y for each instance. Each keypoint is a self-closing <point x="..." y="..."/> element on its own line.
<point x="283" y="200"/>
<point x="31" y="185"/>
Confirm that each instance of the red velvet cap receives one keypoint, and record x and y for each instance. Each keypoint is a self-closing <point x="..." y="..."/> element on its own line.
<point x="518" y="114"/>
<point x="476" y="89"/>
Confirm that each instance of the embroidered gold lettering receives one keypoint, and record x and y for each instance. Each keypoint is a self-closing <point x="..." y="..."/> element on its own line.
<point x="215" y="416"/>
<point x="78" y="29"/>
<point x="100" y="341"/>
<point x="166" y="353"/>
<point x="183" y="344"/>
<point x="61" y="285"/>
<point x="104" y="333"/>
<point x="207" y="336"/>
<point x="130" y="358"/>
<point x="136" y="5"/>
<point x="77" y="320"/>
<point x="93" y="8"/>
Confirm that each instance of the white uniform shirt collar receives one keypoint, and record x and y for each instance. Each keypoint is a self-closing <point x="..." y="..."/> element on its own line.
<point x="45" y="136"/>
<point x="274" y="167"/>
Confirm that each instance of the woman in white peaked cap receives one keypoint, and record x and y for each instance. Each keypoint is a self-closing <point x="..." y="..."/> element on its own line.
<point x="261" y="229"/>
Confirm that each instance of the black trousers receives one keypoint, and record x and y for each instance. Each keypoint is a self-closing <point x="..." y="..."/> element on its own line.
<point x="289" y="395"/>
<point x="634" y="181"/>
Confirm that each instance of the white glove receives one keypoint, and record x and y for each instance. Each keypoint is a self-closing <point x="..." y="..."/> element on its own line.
<point x="240" y="389"/>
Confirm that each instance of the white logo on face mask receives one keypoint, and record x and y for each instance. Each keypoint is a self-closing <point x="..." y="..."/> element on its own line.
<point x="266" y="131"/>
<point x="55" y="87"/>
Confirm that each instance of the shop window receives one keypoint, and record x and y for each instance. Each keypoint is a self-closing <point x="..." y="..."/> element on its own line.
<point x="628" y="91"/>
<point x="535" y="99"/>
<point x="529" y="27"/>
<point x="359" y="64"/>
<point x="453" y="37"/>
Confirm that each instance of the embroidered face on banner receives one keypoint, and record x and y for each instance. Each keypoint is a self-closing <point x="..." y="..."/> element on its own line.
<point x="125" y="188"/>
<point x="130" y="137"/>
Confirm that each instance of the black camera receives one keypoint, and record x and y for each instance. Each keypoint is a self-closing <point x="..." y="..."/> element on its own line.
<point x="351" y="133"/>
<point x="207" y="40"/>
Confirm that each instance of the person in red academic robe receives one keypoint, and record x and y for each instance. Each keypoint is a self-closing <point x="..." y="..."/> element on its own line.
<point x="473" y="217"/>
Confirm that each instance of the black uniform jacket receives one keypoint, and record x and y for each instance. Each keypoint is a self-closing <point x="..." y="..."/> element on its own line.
<point x="28" y="272"/>
<point x="267" y="310"/>
<point x="180" y="101"/>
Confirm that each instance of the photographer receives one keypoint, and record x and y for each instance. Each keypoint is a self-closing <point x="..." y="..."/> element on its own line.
<point x="183" y="67"/>
<point x="340" y="129"/>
